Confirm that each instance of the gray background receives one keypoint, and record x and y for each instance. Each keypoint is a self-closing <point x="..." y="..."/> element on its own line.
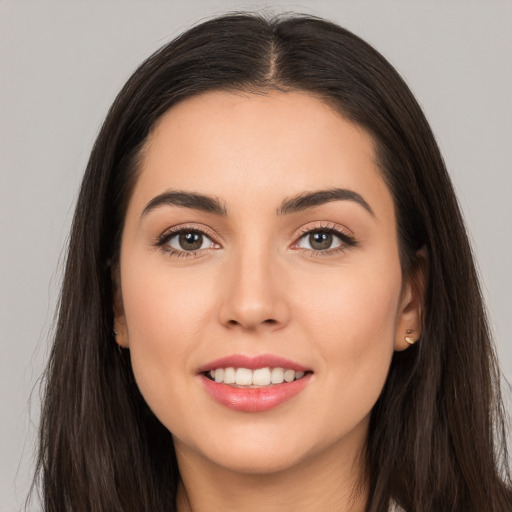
<point x="61" y="63"/>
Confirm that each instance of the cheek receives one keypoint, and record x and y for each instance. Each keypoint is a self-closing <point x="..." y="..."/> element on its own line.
<point x="165" y="313"/>
<point x="351" y="303"/>
<point x="160" y="304"/>
<point x="352" y="317"/>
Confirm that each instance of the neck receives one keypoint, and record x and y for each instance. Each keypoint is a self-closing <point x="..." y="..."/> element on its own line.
<point x="329" y="481"/>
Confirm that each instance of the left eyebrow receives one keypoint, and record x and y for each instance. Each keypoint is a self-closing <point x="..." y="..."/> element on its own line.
<point x="310" y="199"/>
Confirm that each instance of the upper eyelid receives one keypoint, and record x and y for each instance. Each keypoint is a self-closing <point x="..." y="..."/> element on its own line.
<point x="174" y="230"/>
<point x="323" y="225"/>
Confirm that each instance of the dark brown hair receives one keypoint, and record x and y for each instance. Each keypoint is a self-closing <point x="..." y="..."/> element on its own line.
<point x="436" y="439"/>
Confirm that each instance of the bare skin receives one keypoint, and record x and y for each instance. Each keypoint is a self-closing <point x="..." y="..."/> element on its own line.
<point x="259" y="282"/>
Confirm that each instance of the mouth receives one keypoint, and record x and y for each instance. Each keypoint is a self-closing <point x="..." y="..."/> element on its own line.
<point x="254" y="384"/>
<point x="256" y="378"/>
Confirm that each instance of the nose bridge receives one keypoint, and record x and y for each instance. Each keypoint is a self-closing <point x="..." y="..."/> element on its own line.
<point x="253" y="295"/>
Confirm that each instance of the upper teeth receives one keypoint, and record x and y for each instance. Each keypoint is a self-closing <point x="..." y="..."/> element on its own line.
<point x="259" y="377"/>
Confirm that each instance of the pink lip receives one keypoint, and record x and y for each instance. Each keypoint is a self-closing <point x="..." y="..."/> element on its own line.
<point x="252" y="363"/>
<point x="254" y="399"/>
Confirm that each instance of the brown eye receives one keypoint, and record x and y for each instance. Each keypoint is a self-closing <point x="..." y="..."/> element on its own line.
<point x="189" y="241"/>
<point x="320" y="241"/>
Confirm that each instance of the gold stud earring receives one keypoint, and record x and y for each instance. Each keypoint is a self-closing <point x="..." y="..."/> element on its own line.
<point x="409" y="339"/>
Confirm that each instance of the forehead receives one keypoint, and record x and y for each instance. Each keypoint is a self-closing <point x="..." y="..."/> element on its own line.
<point x="252" y="149"/>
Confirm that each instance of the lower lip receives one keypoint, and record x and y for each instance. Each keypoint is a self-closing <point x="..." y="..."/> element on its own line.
<point x="254" y="399"/>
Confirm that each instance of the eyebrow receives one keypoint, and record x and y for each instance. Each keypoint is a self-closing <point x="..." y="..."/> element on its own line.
<point x="211" y="204"/>
<point x="319" y="197"/>
<point x="193" y="200"/>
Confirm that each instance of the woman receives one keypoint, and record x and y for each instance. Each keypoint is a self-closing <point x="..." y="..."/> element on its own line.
<point x="267" y="231"/>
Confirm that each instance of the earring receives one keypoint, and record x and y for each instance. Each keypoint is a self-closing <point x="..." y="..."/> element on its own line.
<point x="409" y="339"/>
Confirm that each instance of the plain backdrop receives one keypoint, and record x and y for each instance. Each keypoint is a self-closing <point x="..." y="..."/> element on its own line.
<point x="61" y="64"/>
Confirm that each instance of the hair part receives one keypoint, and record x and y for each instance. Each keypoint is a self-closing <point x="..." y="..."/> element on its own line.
<point x="436" y="439"/>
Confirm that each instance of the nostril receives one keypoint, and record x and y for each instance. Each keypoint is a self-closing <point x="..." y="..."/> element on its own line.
<point x="268" y="321"/>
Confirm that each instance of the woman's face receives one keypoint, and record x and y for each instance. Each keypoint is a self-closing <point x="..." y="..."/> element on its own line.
<point x="260" y="246"/>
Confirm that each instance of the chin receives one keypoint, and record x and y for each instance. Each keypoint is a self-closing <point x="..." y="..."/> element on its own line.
<point x="257" y="460"/>
<point x="257" y="450"/>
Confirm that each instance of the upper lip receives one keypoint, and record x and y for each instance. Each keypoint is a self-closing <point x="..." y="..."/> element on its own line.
<point x="253" y="363"/>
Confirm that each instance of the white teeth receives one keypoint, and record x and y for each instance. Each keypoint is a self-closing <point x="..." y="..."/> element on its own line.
<point x="261" y="377"/>
<point x="243" y="377"/>
<point x="289" y="375"/>
<point x="229" y="376"/>
<point x="277" y="375"/>
<point x="257" y="378"/>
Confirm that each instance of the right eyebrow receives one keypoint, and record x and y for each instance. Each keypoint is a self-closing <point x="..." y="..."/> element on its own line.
<point x="193" y="200"/>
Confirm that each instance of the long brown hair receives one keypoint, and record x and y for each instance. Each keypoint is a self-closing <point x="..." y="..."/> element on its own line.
<point x="436" y="439"/>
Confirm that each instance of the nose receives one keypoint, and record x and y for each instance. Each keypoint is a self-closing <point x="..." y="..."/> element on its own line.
<point x="254" y="293"/>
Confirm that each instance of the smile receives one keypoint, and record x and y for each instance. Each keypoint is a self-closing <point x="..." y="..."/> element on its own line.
<point x="253" y="384"/>
<point x="260" y="377"/>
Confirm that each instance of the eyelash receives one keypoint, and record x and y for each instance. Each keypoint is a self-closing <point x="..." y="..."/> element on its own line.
<point x="164" y="238"/>
<point x="346" y="240"/>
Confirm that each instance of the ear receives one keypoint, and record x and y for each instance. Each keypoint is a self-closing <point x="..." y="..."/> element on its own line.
<point x="412" y="303"/>
<point x="120" y="327"/>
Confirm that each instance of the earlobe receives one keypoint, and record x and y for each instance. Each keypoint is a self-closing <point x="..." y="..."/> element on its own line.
<point x="119" y="329"/>
<point x="412" y="306"/>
